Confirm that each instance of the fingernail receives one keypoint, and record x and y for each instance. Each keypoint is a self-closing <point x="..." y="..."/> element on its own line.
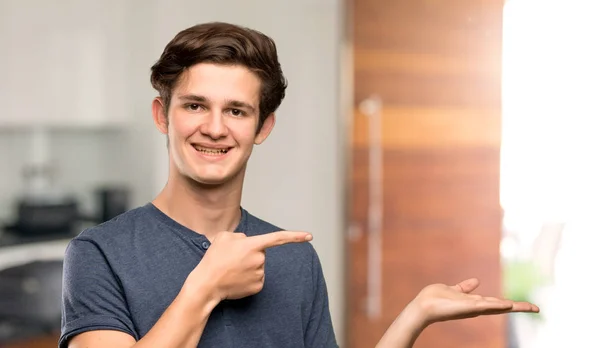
<point x="308" y="237"/>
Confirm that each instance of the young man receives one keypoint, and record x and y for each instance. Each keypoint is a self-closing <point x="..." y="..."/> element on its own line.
<point x="193" y="268"/>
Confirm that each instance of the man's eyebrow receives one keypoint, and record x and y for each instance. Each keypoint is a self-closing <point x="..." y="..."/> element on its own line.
<point x="240" y="104"/>
<point x="193" y="98"/>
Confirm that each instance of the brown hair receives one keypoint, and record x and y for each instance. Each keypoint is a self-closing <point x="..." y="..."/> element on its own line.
<point x="227" y="44"/>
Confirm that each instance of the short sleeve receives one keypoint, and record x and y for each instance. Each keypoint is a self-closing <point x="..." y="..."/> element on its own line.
<point x="319" y="332"/>
<point x="92" y="297"/>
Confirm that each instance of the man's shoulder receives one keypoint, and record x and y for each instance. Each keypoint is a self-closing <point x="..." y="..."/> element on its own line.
<point x="119" y="227"/>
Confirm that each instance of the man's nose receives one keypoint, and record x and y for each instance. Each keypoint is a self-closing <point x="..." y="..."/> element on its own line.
<point x="214" y="125"/>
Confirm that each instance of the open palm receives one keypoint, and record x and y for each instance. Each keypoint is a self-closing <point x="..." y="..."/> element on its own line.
<point x="440" y="302"/>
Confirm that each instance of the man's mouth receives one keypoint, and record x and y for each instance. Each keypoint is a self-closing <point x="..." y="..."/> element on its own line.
<point x="211" y="151"/>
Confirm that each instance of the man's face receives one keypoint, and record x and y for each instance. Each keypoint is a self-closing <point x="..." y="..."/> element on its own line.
<point x="212" y="121"/>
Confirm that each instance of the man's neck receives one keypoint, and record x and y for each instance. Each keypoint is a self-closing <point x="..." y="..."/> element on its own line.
<point x="204" y="209"/>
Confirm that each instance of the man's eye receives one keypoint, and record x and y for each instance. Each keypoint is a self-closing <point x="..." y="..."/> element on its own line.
<point x="237" y="112"/>
<point x="193" y="107"/>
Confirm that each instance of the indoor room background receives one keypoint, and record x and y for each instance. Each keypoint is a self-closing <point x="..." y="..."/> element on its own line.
<point x="420" y="141"/>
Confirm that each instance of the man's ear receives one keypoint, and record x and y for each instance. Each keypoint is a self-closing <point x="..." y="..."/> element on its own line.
<point x="159" y="114"/>
<point x="265" y="130"/>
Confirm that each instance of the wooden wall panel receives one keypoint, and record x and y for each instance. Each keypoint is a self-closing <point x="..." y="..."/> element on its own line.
<point x="444" y="128"/>
<point x="464" y="27"/>
<point x="436" y="66"/>
<point x="382" y="60"/>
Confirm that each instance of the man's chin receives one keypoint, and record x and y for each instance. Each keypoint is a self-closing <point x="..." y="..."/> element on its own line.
<point x="213" y="178"/>
<point x="209" y="181"/>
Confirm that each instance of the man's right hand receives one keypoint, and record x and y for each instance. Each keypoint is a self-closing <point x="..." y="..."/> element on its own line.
<point x="234" y="265"/>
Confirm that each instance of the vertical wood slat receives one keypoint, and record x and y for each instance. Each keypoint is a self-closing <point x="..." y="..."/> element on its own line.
<point x="436" y="64"/>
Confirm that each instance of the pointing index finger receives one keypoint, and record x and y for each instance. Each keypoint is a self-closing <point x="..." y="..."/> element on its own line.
<point x="272" y="239"/>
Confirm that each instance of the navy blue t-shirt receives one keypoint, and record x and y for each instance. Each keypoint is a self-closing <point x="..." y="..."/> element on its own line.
<point x="123" y="274"/>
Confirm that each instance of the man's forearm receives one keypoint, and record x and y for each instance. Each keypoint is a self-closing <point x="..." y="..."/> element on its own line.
<point x="405" y="330"/>
<point x="183" y="323"/>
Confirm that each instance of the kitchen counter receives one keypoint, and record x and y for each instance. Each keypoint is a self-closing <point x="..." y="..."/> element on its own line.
<point x="16" y="251"/>
<point x="19" y="250"/>
<point x="8" y="239"/>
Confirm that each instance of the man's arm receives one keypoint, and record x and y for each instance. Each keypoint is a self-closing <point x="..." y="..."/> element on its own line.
<point x="95" y="310"/>
<point x="439" y="302"/>
<point x="181" y="325"/>
<point x="232" y="268"/>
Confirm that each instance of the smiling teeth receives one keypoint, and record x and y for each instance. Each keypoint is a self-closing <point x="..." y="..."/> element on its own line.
<point x="211" y="151"/>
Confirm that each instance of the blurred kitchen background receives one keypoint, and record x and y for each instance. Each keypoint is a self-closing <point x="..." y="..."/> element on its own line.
<point x="421" y="141"/>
